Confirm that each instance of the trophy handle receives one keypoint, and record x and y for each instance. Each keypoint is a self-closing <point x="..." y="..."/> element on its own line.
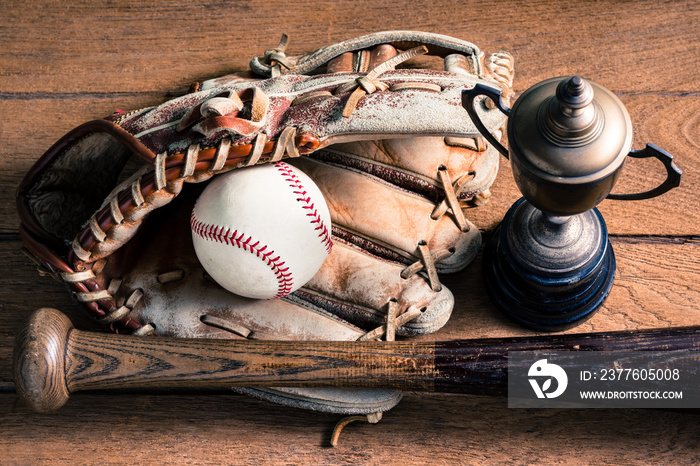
<point x="673" y="174"/>
<point x="469" y="104"/>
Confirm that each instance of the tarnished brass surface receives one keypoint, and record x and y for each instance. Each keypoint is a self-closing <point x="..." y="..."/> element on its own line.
<point x="568" y="140"/>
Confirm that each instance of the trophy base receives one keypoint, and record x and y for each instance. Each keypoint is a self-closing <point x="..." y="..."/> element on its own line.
<point x="549" y="273"/>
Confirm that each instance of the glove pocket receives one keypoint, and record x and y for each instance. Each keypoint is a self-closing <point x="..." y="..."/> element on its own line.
<point x="392" y="222"/>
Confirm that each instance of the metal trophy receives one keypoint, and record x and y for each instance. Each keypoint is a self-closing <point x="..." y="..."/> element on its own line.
<point x="550" y="264"/>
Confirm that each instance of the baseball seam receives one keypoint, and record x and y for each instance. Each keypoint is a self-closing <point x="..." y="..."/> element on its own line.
<point x="307" y="204"/>
<point x="216" y="233"/>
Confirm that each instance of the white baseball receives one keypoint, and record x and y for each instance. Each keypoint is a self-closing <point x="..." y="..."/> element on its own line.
<point x="261" y="232"/>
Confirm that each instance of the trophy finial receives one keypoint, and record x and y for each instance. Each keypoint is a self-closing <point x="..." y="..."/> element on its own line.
<point x="572" y="118"/>
<point x="574" y="94"/>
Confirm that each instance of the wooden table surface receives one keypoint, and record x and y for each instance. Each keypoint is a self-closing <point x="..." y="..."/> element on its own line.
<point x="63" y="64"/>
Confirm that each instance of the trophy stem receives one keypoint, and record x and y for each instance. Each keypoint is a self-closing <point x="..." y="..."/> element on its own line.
<point x="546" y="272"/>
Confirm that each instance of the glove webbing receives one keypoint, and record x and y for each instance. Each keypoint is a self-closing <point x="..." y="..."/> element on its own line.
<point x="159" y="186"/>
<point x="125" y="210"/>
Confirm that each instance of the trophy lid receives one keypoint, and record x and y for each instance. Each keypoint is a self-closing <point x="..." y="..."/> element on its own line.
<point x="569" y="130"/>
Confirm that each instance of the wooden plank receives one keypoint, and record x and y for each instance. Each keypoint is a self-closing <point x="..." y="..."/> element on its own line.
<point x="670" y="122"/>
<point x="422" y="429"/>
<point x="133" y="47"/>
<point x="657" y="284"/>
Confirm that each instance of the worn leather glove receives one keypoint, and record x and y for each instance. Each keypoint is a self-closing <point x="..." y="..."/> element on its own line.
<point x="107" y="208"/>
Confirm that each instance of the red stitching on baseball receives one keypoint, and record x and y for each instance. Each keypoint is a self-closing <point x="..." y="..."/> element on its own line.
<point x="285" y="280"/>
<point x="305" y="199"/>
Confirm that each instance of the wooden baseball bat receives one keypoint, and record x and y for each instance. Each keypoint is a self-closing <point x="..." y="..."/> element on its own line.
<point x="52" y="360"/>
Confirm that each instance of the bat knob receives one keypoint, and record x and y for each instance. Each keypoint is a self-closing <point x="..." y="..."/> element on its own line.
<point x="39" y="360"/>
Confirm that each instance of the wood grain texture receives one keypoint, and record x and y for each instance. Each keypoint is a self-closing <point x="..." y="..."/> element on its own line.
<point x="133" y="46"/>
<point x="65" y="63"/>
<point x="424" y="429"/>
<point x="657" y="284"/>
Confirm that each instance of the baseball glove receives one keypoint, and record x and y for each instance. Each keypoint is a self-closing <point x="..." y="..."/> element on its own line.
<point x="107" y="208"/>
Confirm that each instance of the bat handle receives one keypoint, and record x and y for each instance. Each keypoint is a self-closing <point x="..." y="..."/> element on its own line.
<point x="39" y="360"/>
